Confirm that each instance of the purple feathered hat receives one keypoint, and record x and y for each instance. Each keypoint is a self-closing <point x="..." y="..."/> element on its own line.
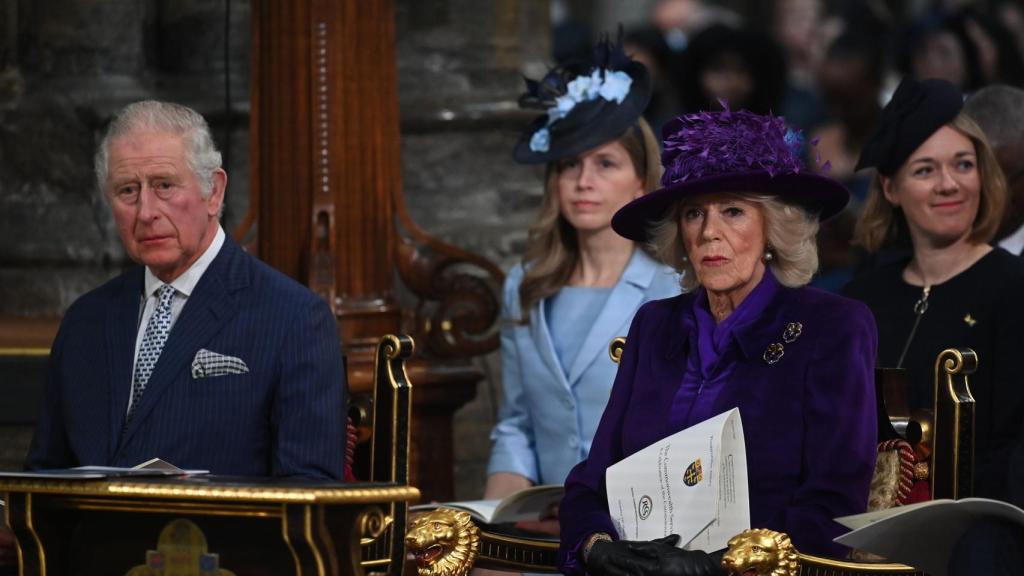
<point x="730" y="151"/>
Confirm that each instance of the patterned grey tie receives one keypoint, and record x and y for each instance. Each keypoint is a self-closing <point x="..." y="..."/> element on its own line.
<point x="157" y="329"/>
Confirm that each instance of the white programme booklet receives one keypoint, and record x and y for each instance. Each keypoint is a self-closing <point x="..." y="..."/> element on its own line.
<point x="922" y="534"/>
<point x="692" y="483"/>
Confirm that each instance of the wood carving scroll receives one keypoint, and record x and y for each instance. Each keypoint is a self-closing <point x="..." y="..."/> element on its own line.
<point x="457" y="294"/>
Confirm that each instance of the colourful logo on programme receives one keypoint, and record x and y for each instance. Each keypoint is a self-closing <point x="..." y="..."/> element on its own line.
<point x="644" y="507"/>
<point x="694" y="473"/>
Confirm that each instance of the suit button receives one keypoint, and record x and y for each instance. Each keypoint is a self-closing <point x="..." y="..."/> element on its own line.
<point x="568" y="402"/>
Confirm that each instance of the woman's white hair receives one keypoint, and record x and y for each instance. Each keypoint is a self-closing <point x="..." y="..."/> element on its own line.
<point x="790" y="233"/>
<point x="150" y="115"/>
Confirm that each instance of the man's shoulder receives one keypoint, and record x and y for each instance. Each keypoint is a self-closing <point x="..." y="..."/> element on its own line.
<point x="274" y="286"/>
<point x="97" y="301"/>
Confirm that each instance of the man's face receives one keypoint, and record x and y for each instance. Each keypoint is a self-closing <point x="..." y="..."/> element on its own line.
<point x="162" y="217"/>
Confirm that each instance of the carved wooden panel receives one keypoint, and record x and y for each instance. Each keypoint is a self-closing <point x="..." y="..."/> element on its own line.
<point x="327" y="200"/>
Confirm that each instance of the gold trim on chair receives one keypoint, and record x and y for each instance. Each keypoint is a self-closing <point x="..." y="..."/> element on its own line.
<point x="179" y="490"/>
<point x="764" y="552"/>
<point x="445" y="542"/>
<point x="952" y="457"/>
<point x="389" y="449"/>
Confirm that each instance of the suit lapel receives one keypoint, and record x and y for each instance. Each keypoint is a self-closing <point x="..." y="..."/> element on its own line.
<point x="622" y="303"/>
<point x="121" y="329"/>
<point x="541" y="337"/>
<point x="209" y="307"/>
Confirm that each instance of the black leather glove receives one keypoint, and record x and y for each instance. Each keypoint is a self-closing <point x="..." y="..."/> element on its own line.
<point x="618" y="558"/>
<point x="674" y="561"/>
<point x="654" y="558"/>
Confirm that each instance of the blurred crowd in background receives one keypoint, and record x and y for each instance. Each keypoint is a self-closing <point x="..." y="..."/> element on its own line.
<point x="827" y="67"/>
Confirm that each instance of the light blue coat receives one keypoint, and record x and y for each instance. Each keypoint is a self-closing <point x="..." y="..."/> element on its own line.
<point x="547" y="420"/>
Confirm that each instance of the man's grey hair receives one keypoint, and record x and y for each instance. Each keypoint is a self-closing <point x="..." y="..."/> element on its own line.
<point x="999" y="111"/>
<point x="150" y="115"/>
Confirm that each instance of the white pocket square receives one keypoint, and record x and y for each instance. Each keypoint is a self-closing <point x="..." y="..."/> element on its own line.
<point x="207" y="364"/>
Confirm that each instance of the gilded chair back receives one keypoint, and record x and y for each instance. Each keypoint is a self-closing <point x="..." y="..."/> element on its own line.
<point x="384" y="550"/>
<point x="952" y="455"/>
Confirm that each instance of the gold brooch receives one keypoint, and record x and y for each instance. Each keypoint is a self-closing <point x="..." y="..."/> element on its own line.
<point x="793" y="331"/>
<point x="969" y="320"/>
<point x="773" y="353"/>
<point x="775" y="350"/>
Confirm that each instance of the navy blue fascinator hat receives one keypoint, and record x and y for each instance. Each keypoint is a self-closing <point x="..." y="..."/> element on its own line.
<point x="730" y="151"/>
<point x="916" y="110"/>
<point x="586" y="104"/>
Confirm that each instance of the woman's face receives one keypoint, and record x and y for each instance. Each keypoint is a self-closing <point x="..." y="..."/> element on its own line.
<point x="724" y="238"/>
<point x="938" y="188"/>
<point x="595" y="184"/>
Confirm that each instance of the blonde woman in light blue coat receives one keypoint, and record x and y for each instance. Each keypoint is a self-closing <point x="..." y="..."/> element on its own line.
<point x="580" y="283"/>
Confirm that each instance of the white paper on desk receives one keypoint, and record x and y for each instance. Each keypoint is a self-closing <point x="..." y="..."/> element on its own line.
<point x="693" y="483"/>
<point x="151" y="467"/>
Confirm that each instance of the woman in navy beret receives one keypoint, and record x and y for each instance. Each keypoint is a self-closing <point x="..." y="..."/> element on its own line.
<point x="939" y="190"/>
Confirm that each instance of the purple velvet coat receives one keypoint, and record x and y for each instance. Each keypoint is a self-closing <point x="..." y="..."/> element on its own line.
<point x="809" y="419"/>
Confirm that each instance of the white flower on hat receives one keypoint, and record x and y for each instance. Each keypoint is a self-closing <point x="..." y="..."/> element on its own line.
<point x="541" y="140"/>
<point x="616" y="86"/>
<point x="563" y="105"/>
<point x="600" y="83"/>
<point x="578" y="88"/>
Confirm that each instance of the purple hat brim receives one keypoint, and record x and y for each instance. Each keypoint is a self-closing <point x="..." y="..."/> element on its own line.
<point x="820" y="195"/>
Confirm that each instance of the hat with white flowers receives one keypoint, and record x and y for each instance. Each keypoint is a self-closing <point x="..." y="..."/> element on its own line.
<point x="586" y="105"/>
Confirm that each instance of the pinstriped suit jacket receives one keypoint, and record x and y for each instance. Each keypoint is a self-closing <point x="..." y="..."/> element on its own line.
<point x="285" y="417"/>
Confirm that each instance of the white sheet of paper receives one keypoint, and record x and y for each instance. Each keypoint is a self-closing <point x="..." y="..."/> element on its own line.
<point x="923" y="534"/>
<point x="693" y="483"/>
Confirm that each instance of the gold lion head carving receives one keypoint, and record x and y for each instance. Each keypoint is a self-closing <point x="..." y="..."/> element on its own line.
<point x="761" y="552"/>
<point x="444" y="542"/>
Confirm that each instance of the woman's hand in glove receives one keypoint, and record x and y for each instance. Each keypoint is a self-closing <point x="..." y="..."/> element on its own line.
<point x="654" y="558"/>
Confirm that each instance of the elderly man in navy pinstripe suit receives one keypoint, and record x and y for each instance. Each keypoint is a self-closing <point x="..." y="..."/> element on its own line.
<point x="203" y="356"/>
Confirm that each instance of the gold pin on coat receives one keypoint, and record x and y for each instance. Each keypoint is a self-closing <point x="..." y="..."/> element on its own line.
<point x="774" y="353"/>
<point x="775" y="350"/>
<point x="793" y="331"/>
<point x="970" y="320"/>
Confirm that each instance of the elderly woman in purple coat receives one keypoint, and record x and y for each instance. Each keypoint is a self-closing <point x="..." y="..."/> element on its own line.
<point x="737" y="215"/>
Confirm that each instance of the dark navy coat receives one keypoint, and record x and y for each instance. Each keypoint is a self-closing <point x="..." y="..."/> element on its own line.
<point x="285" y="417"/>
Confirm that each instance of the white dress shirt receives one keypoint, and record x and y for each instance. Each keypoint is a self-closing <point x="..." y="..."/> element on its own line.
<point x="1014" y="243"/>
<point x="183" y="287"/>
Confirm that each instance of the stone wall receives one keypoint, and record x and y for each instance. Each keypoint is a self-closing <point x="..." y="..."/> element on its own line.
<point x="460" y="69"/>
<point x="70" y="64"/>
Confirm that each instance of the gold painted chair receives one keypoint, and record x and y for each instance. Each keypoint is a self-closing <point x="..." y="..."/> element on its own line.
<point x="388" y="417"/>
<point x="446" y="542"/>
